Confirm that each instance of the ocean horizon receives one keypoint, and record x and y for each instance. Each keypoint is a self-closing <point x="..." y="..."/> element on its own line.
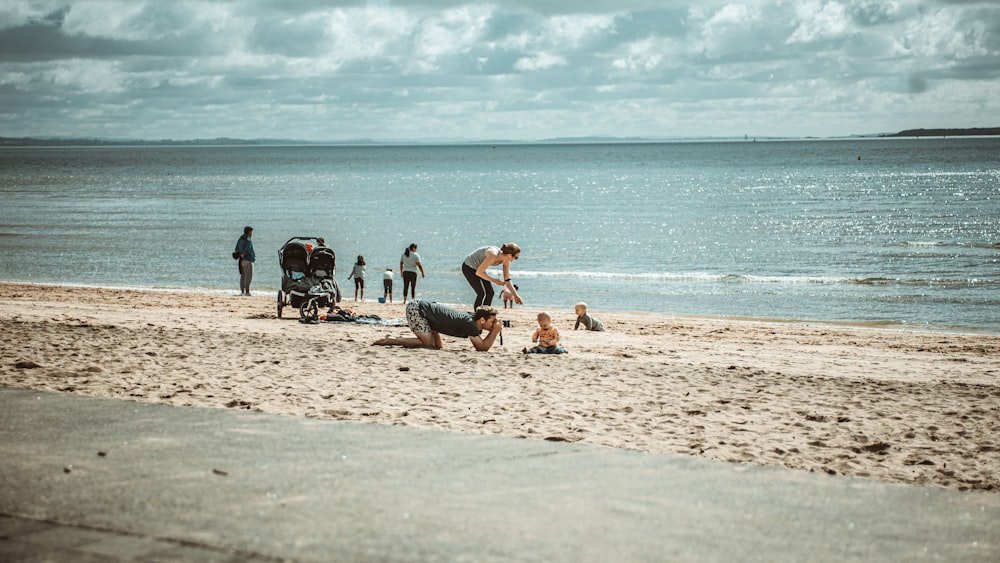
<point x="49" y="140"/>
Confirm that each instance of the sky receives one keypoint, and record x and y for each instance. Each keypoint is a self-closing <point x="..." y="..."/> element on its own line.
<point x="432" y="70"/>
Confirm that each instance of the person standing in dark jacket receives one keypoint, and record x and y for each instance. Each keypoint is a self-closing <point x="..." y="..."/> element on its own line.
<point x="244" y="247"/>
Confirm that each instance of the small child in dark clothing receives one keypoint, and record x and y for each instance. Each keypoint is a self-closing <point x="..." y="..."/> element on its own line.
<point x="387" y="285"/>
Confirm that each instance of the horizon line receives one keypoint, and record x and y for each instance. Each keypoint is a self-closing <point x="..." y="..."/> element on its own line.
<point x="51" y="140"/>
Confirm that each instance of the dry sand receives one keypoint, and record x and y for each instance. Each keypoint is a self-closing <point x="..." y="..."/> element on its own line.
<point x="909" y="407"/>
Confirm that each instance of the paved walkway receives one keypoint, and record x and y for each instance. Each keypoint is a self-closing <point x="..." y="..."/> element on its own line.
<point x="84" y="479"/>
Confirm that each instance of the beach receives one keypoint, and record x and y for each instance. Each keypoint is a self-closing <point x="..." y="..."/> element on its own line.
<point x="911" y="407"/>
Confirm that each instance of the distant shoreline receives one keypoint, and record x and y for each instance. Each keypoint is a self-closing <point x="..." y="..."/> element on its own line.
<point x="227" y="141"/>
<point x="975" y="131"/>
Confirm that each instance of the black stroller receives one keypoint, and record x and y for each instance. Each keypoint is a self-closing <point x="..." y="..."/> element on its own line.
<point x="308" y="276"/>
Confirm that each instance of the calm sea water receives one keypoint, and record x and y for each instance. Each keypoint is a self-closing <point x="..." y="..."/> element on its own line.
<point x="901" y="232"/>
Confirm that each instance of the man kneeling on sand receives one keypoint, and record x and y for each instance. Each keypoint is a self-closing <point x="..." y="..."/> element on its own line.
<point x="429" y="320"/>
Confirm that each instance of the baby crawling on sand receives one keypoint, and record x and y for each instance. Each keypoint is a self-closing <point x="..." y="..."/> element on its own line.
<point x="546" y="337"/>
<point x="584" y="318"/>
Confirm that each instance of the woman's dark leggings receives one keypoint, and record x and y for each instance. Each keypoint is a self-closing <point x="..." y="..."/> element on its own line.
<point x="410" y="283"/>
<point x="483" y="288"/>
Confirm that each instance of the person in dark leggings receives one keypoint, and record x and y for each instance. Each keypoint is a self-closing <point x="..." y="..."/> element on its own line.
<point x="358" y="273"/>
<point x="479" y="260"/>
<point x="409" y="264"/>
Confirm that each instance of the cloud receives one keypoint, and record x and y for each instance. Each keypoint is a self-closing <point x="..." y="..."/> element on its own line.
<point x="918" y="83"/>
<point x="820" y="21"/>
<point x="418" y="69"/>
<point x="542" y="61"/>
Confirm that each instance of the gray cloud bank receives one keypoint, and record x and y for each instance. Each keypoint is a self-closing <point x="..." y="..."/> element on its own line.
<point x="521" y="70"/>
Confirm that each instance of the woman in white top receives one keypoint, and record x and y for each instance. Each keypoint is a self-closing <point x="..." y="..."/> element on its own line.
<point x="358" y="273"/>
<point x="475" y="265"/>
<point x="409" y="264"/>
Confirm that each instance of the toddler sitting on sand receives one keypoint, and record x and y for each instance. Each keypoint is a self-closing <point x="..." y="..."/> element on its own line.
<point x="583" y="318"/>
<point x="546" y="336"/>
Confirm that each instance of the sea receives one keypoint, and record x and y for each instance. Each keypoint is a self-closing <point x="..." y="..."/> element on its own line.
<point x="885" y="232"/>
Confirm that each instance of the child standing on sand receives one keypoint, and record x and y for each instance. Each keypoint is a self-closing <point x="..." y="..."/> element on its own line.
<point x="583" y="318"/>
<point x="508" y="297"/>
<point x="546" y="337"/>
<point x="387" y="284"/>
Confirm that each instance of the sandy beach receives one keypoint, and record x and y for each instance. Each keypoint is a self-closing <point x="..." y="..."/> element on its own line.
<point x="909" y="407"/>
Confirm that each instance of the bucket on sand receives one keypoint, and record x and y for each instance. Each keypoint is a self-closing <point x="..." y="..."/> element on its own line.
<point x="381" y="299"/>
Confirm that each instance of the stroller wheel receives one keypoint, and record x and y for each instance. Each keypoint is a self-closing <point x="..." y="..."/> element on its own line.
<point x="309" y="310"/>
<point x="281" y="303"/>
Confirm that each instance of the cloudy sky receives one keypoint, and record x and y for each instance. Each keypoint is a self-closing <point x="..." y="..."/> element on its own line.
<point x="516" y="69"/>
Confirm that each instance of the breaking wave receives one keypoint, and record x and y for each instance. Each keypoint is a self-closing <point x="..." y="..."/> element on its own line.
<point x="942" y="244"/>
<point x="709" y="278"/>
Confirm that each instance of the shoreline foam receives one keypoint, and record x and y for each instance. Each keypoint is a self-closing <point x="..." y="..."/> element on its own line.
<point x="857" y="324"/>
